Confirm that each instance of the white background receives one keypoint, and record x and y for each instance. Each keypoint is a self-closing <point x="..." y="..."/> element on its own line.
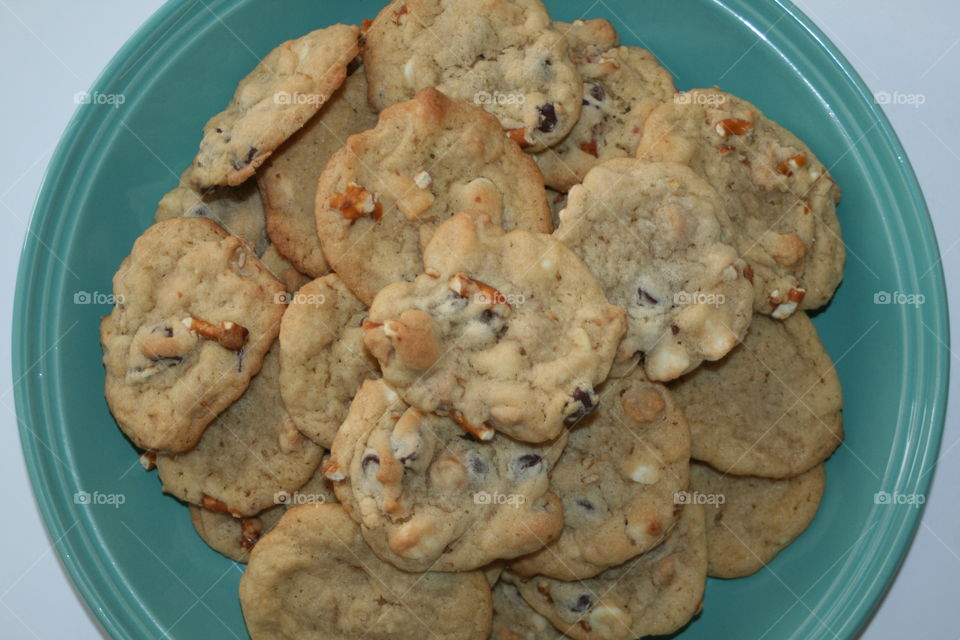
<point x="51" y="49"/>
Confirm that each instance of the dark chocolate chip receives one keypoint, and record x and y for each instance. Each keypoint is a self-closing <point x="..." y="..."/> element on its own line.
<point x="369" y="459"/>
<point x="585" y="401"/>
<point x="585" y="504"/>
<point x="675" y="329"/>
<point x="645" y="296"/>
<point x="597" y="92"/>
<point x="548" y="117"/>
<point x="528" y="461"/>
<point x="582" y="603"/>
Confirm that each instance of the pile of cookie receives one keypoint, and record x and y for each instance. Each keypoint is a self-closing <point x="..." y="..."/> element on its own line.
<point x="465" y="323"/>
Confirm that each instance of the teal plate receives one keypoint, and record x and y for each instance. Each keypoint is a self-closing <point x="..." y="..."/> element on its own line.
<point x="140" y="566"/>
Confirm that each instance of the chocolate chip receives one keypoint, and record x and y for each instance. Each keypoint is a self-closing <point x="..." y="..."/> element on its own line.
<point x="487" y="316"/>
<point x="582" y="603"/>
<point x="548" y="117"/>
<point x="469" y="437"/>
<point x="645" y="296"/>
<point x="478" y="465"/>
<point x="250" y="154"/>
<point x="586" y="505"/>
<point x="370" y="458"/>
<point x="597" y="92"/>
<point x="528" y="460"/>
<point x="219" y="130"/>
<point x="584" y="402"/>
<point x="675" y="329"/>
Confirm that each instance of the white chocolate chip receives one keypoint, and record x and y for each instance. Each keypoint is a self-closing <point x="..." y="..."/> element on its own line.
<point x="423" y="180"/>
<point x="408" y="73"/>
<point x="784" y="310"/>
<point x="645" y="474"/>
<point x="610" y="619"/>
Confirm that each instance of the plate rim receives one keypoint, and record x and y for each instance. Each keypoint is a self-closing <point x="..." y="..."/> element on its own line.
<point x="122" y="620"/>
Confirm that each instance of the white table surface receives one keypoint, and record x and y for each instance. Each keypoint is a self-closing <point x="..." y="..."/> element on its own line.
<point x="53" y="49"/>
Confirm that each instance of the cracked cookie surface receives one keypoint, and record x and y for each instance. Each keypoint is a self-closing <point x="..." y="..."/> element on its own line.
<point x="198" y="312"/>
<point x="314" y="577"/>
<point x="502" y="54"/>
<point x="385" y="192"/>
<point x="780" y="197"/>
<point x="503" y="331"/>
<point x="430" y="497"/>
<point x="272" y="102"/>
<point x="655" y="236"/>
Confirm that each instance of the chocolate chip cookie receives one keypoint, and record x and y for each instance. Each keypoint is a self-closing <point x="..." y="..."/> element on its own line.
<point x="771" y="408"/>
<point x="383" y="194"/>
<point x="617" y="478"/>
<point x="430" y="497"/>
<point x="248" y="455"/>
<point x="780" y="197"/>
<point x="271" y="103"/>
<point x="313" y="577"/>
<point x="288" y="181"/>
<point x="505" y="331"/>
<point x="322" y="357"/>
<point x="657" y="593"/>
<point x="502" y="54"/>
<point x="196" y="312"/>
<point x="754" y="519"/>
<point x="655" y="236"/>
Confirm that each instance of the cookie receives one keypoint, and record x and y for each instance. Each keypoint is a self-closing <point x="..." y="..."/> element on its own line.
<point x="502" y="54"/>
<point x="322" y="357"/>
<point x="755" y="519"/>
<point x="587" y="39"/>
<point x="780" y="197"/>
<point x="230" y="536"/>
<point x="248" y="455"/>
<point x="239" y="209"/>
<point x="288" y="181"/>
<point x="618" y="479"/>
<point x="505" y="331"/>
<point x="313" y="577"/>
<point x="771" y="408"/>
<point x="621" y="87"/>
<point x="282" y="269"/>
<point x="271" y="103"/>
<point x="429" y="497"/>
<point x="196" y="313"/>
<point x="657" y="593"/>
<point x="384" y="193"/>
<point x="513" y="619"/>
<point x="654" y="236"/>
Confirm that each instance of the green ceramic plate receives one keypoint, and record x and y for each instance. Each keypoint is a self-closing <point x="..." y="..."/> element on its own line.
<point x="139" y="564"/>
